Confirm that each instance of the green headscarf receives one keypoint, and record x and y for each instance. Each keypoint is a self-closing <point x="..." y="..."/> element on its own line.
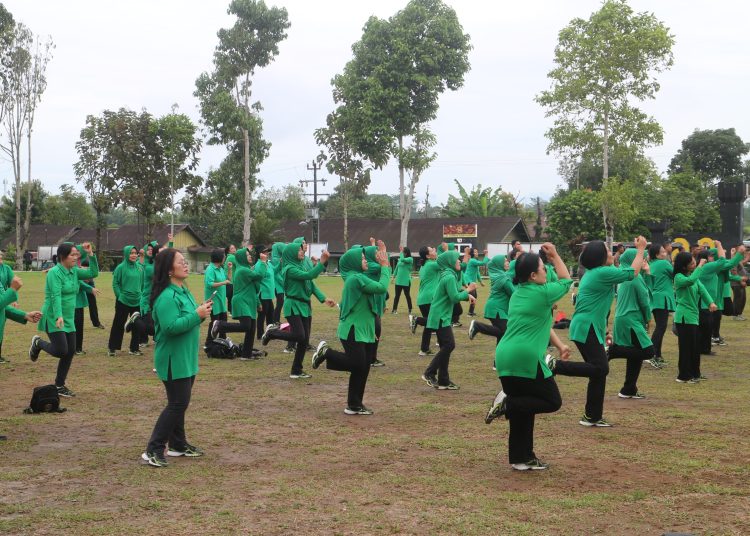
<point x="373" y="268"/>
<point x="126" y="255"/>
<point x="350" y="267"/>
<point x="628" y="256"/>
<point x="276" y="251"/>
<point x="241" y="257"/>
<point x="447" y="262"/>
<point x="496" y="267"/>
<point x="82" y="251"/>
<point x="150" y="260"/>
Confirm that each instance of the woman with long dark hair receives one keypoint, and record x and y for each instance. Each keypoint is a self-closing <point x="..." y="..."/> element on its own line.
<point x="177" y="319"/>
<point x="58" y="311"/>
<point x="529" y="387"/>
<point x="143" y="321"/>
<point x="356" y="325"/>
<point x="246" y="281"/>
<point x="402" y="276"/>
<point x="660" y="284"/>
<point x="429" y="274"/>
<point x="588" y="328"/>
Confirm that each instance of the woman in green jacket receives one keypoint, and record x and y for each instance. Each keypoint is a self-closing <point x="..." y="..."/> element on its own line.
<point x="496" y="308"/>
<point x="9" y="296"/>
<point x="723" y="294"/>
<point x="528" y="384"/>
<point x="127" y="283"/>
<point x="246" y="282"/>
<point x="356" y="325"/>
<point x="215" y="284"/>
<point x="690" y="291"/>
<point x="229" y="266"/>
<point x="429" y="274"/>
<point x="588" y="328"/>
<point x="402" y="276"/>
<point x="82" y="299"/>
<point x="6" y="276"/>
<point x="298" y="288"/>
<point x="446" y="295"/>
<point x="143" y="320"/>
<point x="267" y="293"/>
<point x="472" y="275"/>
<point x="661" y="285"/>
<point x="58" y="311"/>
<point x="177" y="319"/>
<point x="276" y="250"/>
<point x="378" y="300"/>
<point x="630" y="334"/>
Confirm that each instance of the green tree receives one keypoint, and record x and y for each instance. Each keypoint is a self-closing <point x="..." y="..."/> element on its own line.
<point x="68" y="208"/>
<point x="365" y="206"/>
<point x="388" y="93"/>
<point x="603" y="65"/>
<point x="714" y="154"/>
<point x="572" y="218"/>
<point x="8" y="204"/>
<point x="225" y="96"/>
<point x="480" y="202"/>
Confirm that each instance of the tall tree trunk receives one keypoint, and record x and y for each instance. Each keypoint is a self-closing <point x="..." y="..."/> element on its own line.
<point x="609" y="228"/>
<point x="99" y="227"/>
<point x="246" y="184"/>
<point x="16" y="161"/>
<point x="27" y="221"/>
<point x="402" y="208"/>
<point x="345" y="199"/>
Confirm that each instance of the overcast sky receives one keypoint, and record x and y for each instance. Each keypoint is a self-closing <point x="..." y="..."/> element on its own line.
<point x="148" y="53"/>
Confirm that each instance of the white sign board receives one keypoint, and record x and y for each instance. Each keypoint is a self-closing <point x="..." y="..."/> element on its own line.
<point x="44" y="253"/>
<point x="315" y="249"/>
<point x="503" y="248"/>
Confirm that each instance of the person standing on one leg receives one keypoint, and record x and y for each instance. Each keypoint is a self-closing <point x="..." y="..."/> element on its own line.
<point x="471" y="275"/>
<point x="245" y="301"/>
<point x="356" y="324"/>
<point x="275" y="262"/>
<point x="267" y="294"/>
<point x="429" y="274"/>
<point x="724" y="291"/>
<point x="177" y="319"/>
<point x="528" y="385"/>
<point x="402" y="277"/>
<point x="630" y="335"/>
<point x="229" y="266"/>
<point x="58" y="311"/>
<point x="378" y="300"/>
<point x="660" y="284"/>
<point x="82" y="300"/>
<point x="446" y="295"/>
<point x="215" y="281"/>
<point x="297" y="310"/>
<point x="588" y="328"/>
<point x="127" y="283"/>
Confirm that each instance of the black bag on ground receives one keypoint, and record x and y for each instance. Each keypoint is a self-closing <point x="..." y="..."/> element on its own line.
<point x="221" y="349"/>
<point x="45" y="399"/>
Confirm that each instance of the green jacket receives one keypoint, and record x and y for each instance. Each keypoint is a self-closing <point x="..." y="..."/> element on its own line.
<point x="177" y="333"/>
<point x="688" y="290"/>
<point x="356" y="310"/>
<point x="711" y="280"/>
<point x="127" y="280"/>
<point x="522" y="349"/>
<point x="60" y="292"/>
<point x="276" y="250"/>
<point x="429" y="274"/>
<point x="501" y="290"/>
<point x="6" y="274"/>
<point x="298" y="276"/>
<point x="215" y="275"/>
<point x="267" y="284"/>
<point x="82" y="299"/>
<point x="246" y="281"/>
<point x="633" y="309"/>
<point x="402" y="272"/>
<point x="660" y="283"/>
<point x="148" y="276"/>
<point x="377" y="301"/>
<point x="446" y="292"/>
<point x="595" y="294"/>
<point x="471" y="275"/>
<point x="230" y="259"/>
<point x="8" y="296"/>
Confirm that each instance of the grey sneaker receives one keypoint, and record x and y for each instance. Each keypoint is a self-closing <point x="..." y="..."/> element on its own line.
<point x="300" y="376"/>
<point x="472" y="330"/>
<point x="413" y="324"/>
<point x="377" y="363"/>
<point x="424" y="353"/>
<point x="189" y="452"/>
<point x="62" y="390"/>
<point x="430" y="380"/>
<point x="267" y="335"/>
<point x="320" y="354"/>
<point x="498" y="407"/>
<point x="589" y="422"/>
<point x="35" y="348"/>
<point x="636" y="396"/>
<point x="358" y="411"/>
<point x="130" y="321"/>
<point x="214" y="329"/>
<point x="154" y="459"/>
<point x="449" y="387"/>
<point x="137" y="352"/>
<point x="550" y="361"/>
<point x="531" y="465"/>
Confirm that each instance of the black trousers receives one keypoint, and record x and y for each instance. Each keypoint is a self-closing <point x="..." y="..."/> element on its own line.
<point x="635" y="354"/>
<point x="740" y="297"/>
<point x="230" y="294"/>
<point x="170" y="426"/>
<point x="497" y="329"/>
<point x="716" y="326"/>
<point x="378" y="331"/>
<point x="245" y="325"/>
<point x="62" y="346"/>
<point x="299" y="334"/>
<point x="526" y="398"/>
<point x="439" y="363"/>
<point x="471" y="306"/>
<point x="689" y="361"/>
<point x="94" y="310"/>
<point x="705" y="330"/>
<point x="355" y="359"/>
<point x="661" y="318"/>
<point x="279" y="308"/>
<point x="78" y="321"/>
<point x="265" y="317"/>
<point x="117" y="330"/>
<point x="427" y="332"/>
<point x="145" y="326"/>
<point x="595" y="367"/>
<point x="222" y="334"/>
<point x="458" y="310"/>
<point x="406" y="289"/>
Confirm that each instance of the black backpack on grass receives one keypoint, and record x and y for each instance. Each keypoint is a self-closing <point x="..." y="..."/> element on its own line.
<point x="221" y="349"/>
<point x="45" y="399"/>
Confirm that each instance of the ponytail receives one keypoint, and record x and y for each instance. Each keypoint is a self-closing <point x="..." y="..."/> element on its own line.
<point x="162" y="266"/>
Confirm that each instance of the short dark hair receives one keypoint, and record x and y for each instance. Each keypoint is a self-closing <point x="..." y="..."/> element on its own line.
<point x="681" y="262"/>
<point x="63" y="250"/>
<point x="594" y="254"/>
<point x="525" y="266"/>
<point x="217" y="255"/>
<point x="654" y="250"/>
<point x="406" y="252"/>
<point x="423" y="252"/>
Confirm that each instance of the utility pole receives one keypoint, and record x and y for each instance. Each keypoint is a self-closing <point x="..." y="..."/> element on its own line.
<point x="313" y="213"/>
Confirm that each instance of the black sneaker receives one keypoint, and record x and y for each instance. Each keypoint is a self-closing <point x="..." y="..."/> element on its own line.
<point x="430" y="380"/>
<point x="589" y="422"/>
<point x="3" y="438"/>
<point x="448" y="387"/>
<point x="267" y="334"/>
<point x="137" y="352"/>
<point x="456" y="324"/>
<point x="550" y="361"/>
<point x="62" y="390"/>
<point x="131" y="319"/>
<point x="189" y="451"/>
<point x="377" y="363"/>
<point x="413" y="324"/>
<point x="214" y="329"/>
<point x="721" y="342"/>
<point x="636" y="396"/>
<point x="100" y="326"/>
<point x="498" y="407"/>
<point x="531" y="465"/>
<point x="80" y="352"/>
<point x="472" y="330"/>
<point x="155" y="459"/>
<point x="424" y="353"/>
<point x="309" y="348"/>
<point x="35" y="348"/>
<point x="358" y="411"/>
<point x="320" y="354"/>
<point x="110" y="353"/>
<point x="300" y="376"/>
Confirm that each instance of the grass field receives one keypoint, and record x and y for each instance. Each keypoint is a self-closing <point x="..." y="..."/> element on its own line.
<point x="282" y="458"/>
